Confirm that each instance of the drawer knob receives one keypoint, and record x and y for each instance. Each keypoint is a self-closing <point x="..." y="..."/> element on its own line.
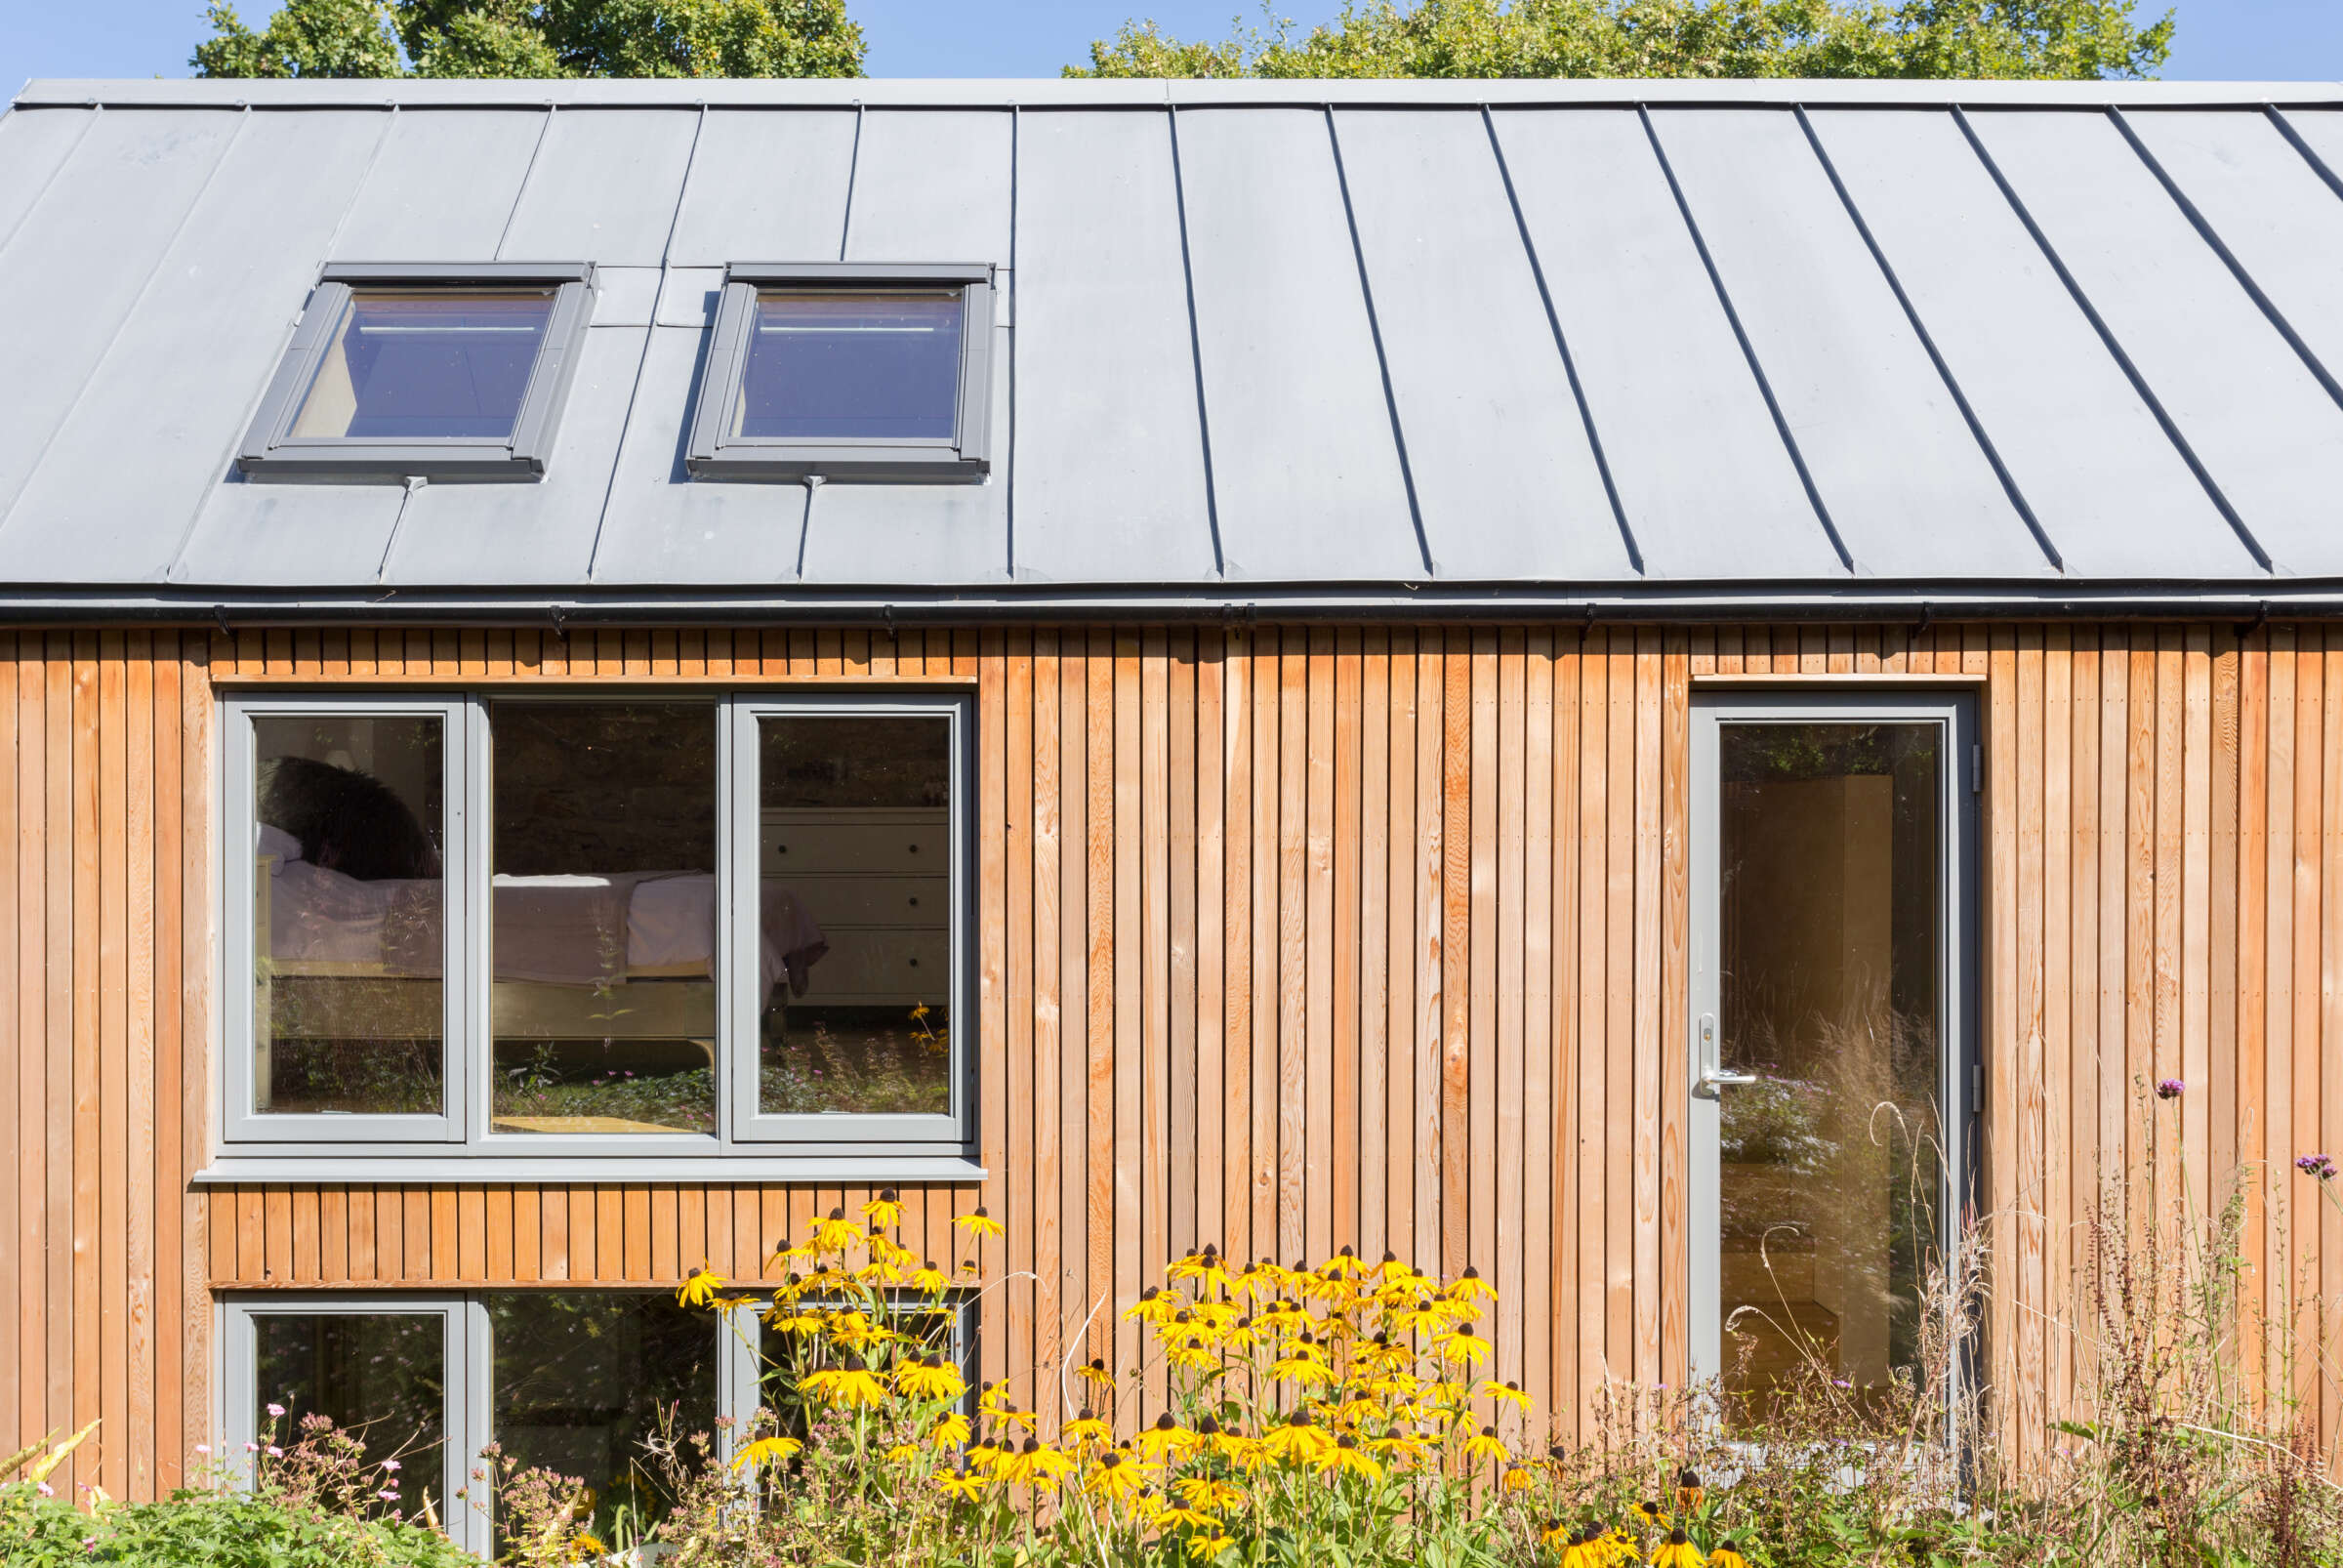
<point x="915" y="849"/>
<point x="915" y="963"/>
<point x="780" y="848"/>
<point x="915" y="900"/>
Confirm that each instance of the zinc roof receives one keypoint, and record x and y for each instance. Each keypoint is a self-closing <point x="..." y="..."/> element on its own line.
<point x="1506" y="344"/>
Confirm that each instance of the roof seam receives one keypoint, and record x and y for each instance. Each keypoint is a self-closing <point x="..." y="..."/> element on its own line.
<point x="845" y="216"/>
<point x="1187" y="273"/>
<point x="2318" y="165"/>
<point x="114" y="339"/>
<point x="2237" y="268"/>
<point x="520" y="192"/>
<point x="42" y="195"/>
<point x="1569" y="364"/>
<point x="1748" y="349"/>
<point x="2107" y="336"/>
<point x="1919" y="327"/>
<point x="1382" y="360"/>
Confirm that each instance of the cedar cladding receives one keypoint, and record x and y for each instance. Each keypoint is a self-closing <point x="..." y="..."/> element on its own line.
<point x="1290" y="938"/>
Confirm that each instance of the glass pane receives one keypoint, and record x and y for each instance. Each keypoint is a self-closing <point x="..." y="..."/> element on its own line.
<point x="426" y="364"/>
<point x="582" y="1381"/>
<point x="1830" y="935"/>
<point x="855" y="914"/>
<point x="852" y="366"/>
<point x="349" y="936"/>
<point x="381" y="1376"/>
<point x="602" y="1005"/>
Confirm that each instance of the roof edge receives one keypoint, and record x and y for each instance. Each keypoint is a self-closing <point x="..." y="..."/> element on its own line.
<point x="1045" y="92"/>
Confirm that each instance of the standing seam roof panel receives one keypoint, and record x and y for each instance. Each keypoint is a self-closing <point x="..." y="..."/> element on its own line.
<point x="117" y="203"/>
<point x="2110" y="490"/>
<point x="602" y="188"/>
<point x="1305" y="471"/>
<point x="931" y="185"/>
<point x="2262" y="426"/>
<point x="442" y="188"/>
<point x="1707" y="485"/>
<point x="766" y="185"/>
<point x="179" y="381"/>
<point x="1505" y="475"/>
<point x="1111" y="482"/>
<point x="33" y="144"/>
<point x="1872" y="415"/>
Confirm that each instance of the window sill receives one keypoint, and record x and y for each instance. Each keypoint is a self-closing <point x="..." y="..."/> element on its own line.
<point x="359" y="1169"/>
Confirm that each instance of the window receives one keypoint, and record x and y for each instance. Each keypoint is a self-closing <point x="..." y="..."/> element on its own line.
<point x="431" y="371"/>
<point x="848" y="371"/>
<point x="652" y="927"/>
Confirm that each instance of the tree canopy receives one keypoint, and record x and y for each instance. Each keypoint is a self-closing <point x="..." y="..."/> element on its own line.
<point x="515" y="38"/>
<point x="2080" y="39"/>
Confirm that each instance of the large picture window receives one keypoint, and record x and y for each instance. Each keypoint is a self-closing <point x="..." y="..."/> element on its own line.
<point x="634" y="928"/>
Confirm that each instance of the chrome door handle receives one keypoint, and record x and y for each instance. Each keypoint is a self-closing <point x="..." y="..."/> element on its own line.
<point x="1713" y="1078"/>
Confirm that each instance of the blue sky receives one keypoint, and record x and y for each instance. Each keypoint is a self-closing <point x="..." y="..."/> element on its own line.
<point x="2263" y="40"/>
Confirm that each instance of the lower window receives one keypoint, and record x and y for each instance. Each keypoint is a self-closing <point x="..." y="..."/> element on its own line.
<point x="583" y="1383"/>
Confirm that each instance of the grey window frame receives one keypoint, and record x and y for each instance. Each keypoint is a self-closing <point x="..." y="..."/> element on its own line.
<point x="462" y="1144"/>
<point x="270" y="453"/>
<point x="1958" y="895"/>
<point x="966" y="456"/>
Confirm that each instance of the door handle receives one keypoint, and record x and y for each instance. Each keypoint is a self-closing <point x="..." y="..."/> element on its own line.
<point x="1713" y="1078"/>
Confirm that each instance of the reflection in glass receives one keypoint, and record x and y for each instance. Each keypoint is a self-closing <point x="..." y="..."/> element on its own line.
<point x="603" y="1000"/>
<point x="349" y="936"/>
<point x="582" y="1381"/>
<point x="852" y="366"/>
<point x="1830" y="1168"/>
<point x="381" y="1376"/>
<point x="426" y="364"/>
<point x="855" y="914"/>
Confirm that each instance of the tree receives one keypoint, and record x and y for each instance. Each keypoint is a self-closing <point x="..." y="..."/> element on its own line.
<point x="2080" y="39"/>
<point x="521" y="38"/>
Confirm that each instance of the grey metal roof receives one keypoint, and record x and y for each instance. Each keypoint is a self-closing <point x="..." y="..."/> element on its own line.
<point x="1455" y="343"/>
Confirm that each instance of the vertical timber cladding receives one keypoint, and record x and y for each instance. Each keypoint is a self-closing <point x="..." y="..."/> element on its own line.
<point x="1291" y="938"/>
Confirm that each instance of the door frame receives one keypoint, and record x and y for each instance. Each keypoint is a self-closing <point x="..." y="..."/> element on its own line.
<point x="1961" y="1072"/>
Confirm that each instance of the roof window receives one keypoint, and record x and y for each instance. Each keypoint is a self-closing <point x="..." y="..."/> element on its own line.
<point x="439" y="372"/>
<point x="848" y="371"/>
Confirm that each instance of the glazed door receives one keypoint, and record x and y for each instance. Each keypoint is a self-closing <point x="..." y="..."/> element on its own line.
<point x="1832" y="985"/>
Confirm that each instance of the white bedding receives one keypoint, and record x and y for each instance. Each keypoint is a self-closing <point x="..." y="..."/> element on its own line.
<point x="563" y="930"/>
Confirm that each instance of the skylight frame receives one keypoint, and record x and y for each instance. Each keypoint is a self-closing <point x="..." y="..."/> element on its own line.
<point x="271" y="451"/>
<point x="965" y="456"/>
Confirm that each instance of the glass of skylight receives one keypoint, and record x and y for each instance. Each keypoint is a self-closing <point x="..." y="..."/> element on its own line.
<point x="424" y="364"/>
<point x="865" y="366"/>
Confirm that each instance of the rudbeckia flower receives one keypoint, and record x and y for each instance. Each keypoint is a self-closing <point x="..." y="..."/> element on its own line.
<point x="1471" y="1287"/>
<point x="1166" y="1439"/>
<point x="1191" y="1355"/>
<point x="1727" y="1555"/>
<point x="1296" y="1439"/>
<point x="1651" y="1515"/>
<point x="979" y="1223"/>
<point x="850" y="1386"/>
<point x="1085" y="1429"/>
<point x="960" y="1486"/>
<point x="1461" y="1349"/>
<point x="1347" y="1457"/>
<point x="1485" y="1449"/>
<point x="1507" y="1393"/>
<point x="931" y="1379"/>
<point x="765" y="1451"/>
<point x="836" y="1233"/>
<point x="1688" y="1491"/>
<point x="1095" y="1373"/>
<point x="950" y="1430"/>
<point x="1208" y="1495"/>
<point x="1186" y="1520"/>
<point x="1204" y="1548"/>
<point x="1517" y="1478"/>
<point x="885" y="1209"/>
<point x="929" y="1280"/>
<point x="1115" y="1476"/>
<point x="1034" y="1464"/>
<point x="1676" y="1552"/>
<point x="700" y="1288"/>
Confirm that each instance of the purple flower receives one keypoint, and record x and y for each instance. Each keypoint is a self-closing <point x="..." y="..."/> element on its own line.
<point x="389" y="1464"/>
<point x="46" y="1490"/>
<point x="2171" y="1089"/>
<point x="2316" y="1165"/>
<point x="276" y="1410"/>
<point x="275" y="1452"/>
<point x="252" y="1448"/>
<point x="389" y="1494"/>
<point x="203" y="1448"/>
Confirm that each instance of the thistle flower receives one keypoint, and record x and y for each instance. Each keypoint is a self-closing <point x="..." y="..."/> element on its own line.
<point x="2316" y="1165"/>
<point x="2171" y="1089"/>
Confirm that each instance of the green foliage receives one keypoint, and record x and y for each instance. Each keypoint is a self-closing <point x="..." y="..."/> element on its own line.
<point x="217" y="1529"/>
<point x="537" y="38"/>
<point x="2075" y="39"/>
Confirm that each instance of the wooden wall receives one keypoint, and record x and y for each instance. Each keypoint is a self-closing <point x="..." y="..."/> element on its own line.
<point x="1291" y="938"/>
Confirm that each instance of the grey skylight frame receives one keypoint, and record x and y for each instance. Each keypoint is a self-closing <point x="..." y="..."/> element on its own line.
<point x="966" y="456"/>
<point x="270" y="453"/>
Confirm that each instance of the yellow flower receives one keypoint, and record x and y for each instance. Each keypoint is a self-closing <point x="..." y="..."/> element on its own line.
<point x="1035" y="1466"/>
<point x="1115" y="1476"/>
<point x="584" y="1545"/>
<point x="931" y="1379"/>
<point x="700" y="1288"/>
<point x="951" y="1431"/>
<point x="1085" y="1431"/>
<point x="1166" y="1439"/>
<point x="1486" y="1447"/>
<point x="1727" y="1555"/>
<point x="1653" y="1515"/>
<point x="1517" y="1478"/>
<point x="1461" y="1349"/>
<point x="960" y="1486"/>
<point x="1296" y="1439"/>
<point x="980" y="1224"/>
<point x="765" y="1451"/>
<point x="1301" y="1367"/>
<point x="1397" y="1446"/>
<point x="1347" y="1456"/>
<point x="1185" y="1519"/>
<point x="1507" y="1393"/>
<point x="1207" y="1494"/>
<point x="1154" y="1305"/>
<point x="836" y="1233"/>
<point x="853" y="1386"/>
<point x="1676" y="1552"/>
<point x="1471" y="1287"/>
<point x="1095" y="1373"/>
<point x="1204" y="1548"/>
<point x="929" y="1280"/>
<point x="885" y="1209"/>
<point x="1556" y="1534"/>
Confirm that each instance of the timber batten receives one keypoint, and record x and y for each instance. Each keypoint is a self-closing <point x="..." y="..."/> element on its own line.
<point x="1289" y="938"/>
